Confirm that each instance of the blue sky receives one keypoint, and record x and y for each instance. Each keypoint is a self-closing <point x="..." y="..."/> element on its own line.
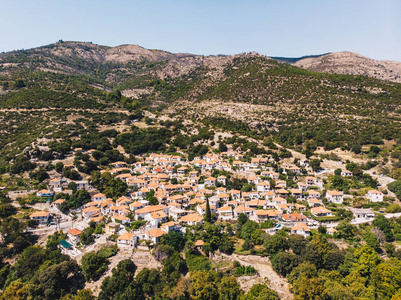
<point x="289" y="28"/>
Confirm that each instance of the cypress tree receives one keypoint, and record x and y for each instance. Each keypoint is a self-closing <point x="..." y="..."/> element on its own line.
<point x="208" y="214"/>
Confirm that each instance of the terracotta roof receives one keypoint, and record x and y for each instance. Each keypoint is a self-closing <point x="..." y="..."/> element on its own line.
<point x="39" y="214"/>
<point x="74" y="231"/>
<point x="199" y="243"/>
<point x="191" y="218"/>
<point x="156" y="232"/>
<point x="126" y="236"/>
<point x="300" y="226"/>
<point x="335" y="193"/>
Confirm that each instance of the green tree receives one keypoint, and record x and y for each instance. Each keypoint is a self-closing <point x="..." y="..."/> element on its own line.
<point x="229" y="288"/>
<point x="276" y="243"/>
<point x="208" y="214"/>
<point x="260" y="292"/>
<point x="284" y="262"/>
<point x="346" y="230"/>
<point x="59" y="167"/>
<point x="204" y="285"/>
<point x="371" y="240"/>
<point x="93" y="265"/>
<point x="315" y="164"/>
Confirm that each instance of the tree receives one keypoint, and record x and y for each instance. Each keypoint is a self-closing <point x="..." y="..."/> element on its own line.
<point x="297" y="243"/>
<point x="315" y="164"/>
<point x="85" y="294"/>
<point x="19" y="83"/>
<point x="93" y="265"/>
<point x="87" y="236"/>
<point x="365" y="260"/>
<point x="390" y="249"/>
<point x="242" y="218"/>
<point x="229" y="288"/>
<point x="346" y="230"/>
<point x="371" y="240"/>
<point x="72" y="186"/>
<point x="208" y="214"/>
<point x="122" y="275"/>
<point x="16" y="291"/>
<point x="275" y="244"/>
<point x="322" y="229"/>
<point x="306" y="269"/>
<point x="260" y="292"/>
<point x="284" y="262"/>
<point x="384" y="224"/>
<point x="57" y="280"/>
<point x="203" y="285"/>
<point x="222" y="147"/>
<point x="337" y="172"/>
<point x="386" y="278"/>
<point x="174" y="239"/>
<point x="59" y="167"/>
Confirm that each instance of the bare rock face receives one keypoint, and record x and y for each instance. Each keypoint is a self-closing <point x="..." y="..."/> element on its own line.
<point x="354" y="64"/>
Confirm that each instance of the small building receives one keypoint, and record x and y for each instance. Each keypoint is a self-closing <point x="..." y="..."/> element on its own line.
<point x="58" y="202"/>
<point x="321" y="212"/>
<point x="120" y="219"/>
<point x="90" y="212"/>
<point x="211" y="181"/>
<point x="127" y="239"/>
<point x="346" y="173"/>
<point x="313" y="194"/>
<point x="336" y="197"/>
<point x="192" y="219"/>
<point x="362" y="213"/>
<point x="154" y="235"/>
<point x="301" y="228"/>
<point x="45" y="193"/>
<point x="225" y="212"/>
<point x="263" y="187"/>
<point x="199" y="245"/>
<point x="375" y="196"/>
<point x="294" y="217"/>
<point x="99" y="197"/>
<point x="40" y="216"/>
<point x="171" y="226"/>
<point x="74" y="235"/>
<point x="201" y="209"/>
<point x="112" y="228"/>
<point x="313" y="202"/>
<point x="222" y="179"/>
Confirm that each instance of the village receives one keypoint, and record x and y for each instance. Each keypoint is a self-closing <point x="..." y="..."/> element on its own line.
<point x="183" y="191"/>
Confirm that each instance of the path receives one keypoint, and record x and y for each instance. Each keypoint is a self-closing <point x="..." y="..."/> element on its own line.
<point x="265" y="270"/>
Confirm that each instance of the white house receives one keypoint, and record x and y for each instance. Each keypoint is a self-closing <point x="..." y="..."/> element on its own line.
<point x="336" y="197"/>
<point x="263" y="187"/>
<point x="301" y="228"/>
<point x="40" y="216"/>
<point x="127" y="239"/>
<point x="192" y="219"/>
<point x="45" y="193"/>
<point x="154" y="235"/>
<point x="321" y="212"/>
<point x="74" y="235"/>
<point x="375" y="196"/>
<point x="99" y="197"/>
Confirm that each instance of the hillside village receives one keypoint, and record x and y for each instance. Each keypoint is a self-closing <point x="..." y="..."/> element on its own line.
<point x="129" y="173"/>
<point x="168" y="193"/>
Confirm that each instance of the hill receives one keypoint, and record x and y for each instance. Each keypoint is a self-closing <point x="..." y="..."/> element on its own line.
<point x="62" y="89"/>
<point x="352" y="63"/>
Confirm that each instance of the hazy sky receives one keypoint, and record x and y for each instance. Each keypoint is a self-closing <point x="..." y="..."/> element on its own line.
<point x="276" y="28"/>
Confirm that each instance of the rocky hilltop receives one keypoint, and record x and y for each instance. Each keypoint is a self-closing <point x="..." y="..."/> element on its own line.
<point x="352" y="63"/>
